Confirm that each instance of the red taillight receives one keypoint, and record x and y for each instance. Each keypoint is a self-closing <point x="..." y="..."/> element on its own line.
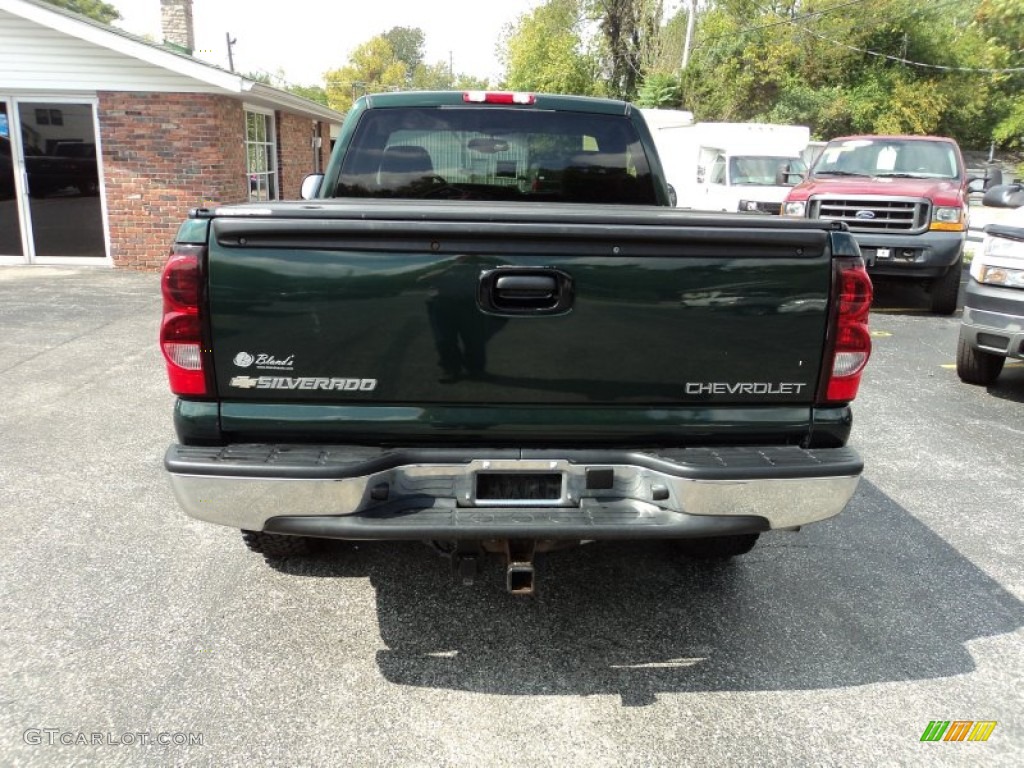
<point x="851" y="347"/>
<point x="181" y="336"/>
<point x="498" y="97"/>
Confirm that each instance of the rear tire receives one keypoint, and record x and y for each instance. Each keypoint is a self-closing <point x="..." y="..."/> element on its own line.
<point x="974" y="366"/>
<point x="717" y="547"/>
<point x="277" y="545"/>
<point x="946" y="289"/>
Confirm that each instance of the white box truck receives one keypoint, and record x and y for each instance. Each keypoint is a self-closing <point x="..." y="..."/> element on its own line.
<point x="736" y="167"/>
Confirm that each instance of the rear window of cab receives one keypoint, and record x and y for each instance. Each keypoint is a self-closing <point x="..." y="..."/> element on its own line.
<point x="496" y="154"/>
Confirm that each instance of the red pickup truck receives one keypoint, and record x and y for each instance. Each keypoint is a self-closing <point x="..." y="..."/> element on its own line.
<point x="904" y="199"/>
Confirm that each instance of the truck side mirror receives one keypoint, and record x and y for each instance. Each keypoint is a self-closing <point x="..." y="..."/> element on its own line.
<point x="700" y="174"/>
<point x="311" y="185"/>
<point x="787" y="177"/>
<point x="1004" y="196"/>
<point x="673" y="198"/>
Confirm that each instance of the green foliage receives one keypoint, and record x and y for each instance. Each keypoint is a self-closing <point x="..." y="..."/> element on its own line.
<point x="315" y="93"/>
<point x="660" y="90"/>
<point x="464" y="82"/>
<point x="544" y="51"/>
<point x="432" y="77"/>
<point x="277" y="79"/>
<point x="259" y="77"/>
<point x="407" y="44"/>
<point x="1010" y="130"/>
<point x="372" y="67"/>
<point x="631" y="32"/>
<point x="1004" y="21"/>
<point x="390" y="61"/>
<point x="668" y="56"/>
<point x="856" y="69"/>
<point x="94" y="9"/>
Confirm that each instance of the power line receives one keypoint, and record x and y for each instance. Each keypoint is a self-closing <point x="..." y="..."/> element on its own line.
<point x="796" y="22"/>
<point x="898" y="59"/>
<point x="808" y="15"/>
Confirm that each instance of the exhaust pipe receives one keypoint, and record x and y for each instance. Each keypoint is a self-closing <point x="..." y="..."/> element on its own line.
<point x="519" y="574"/>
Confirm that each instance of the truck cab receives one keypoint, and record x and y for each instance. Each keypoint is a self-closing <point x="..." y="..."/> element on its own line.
<point x="753" y="181"/>
<point x="730" y="167"/>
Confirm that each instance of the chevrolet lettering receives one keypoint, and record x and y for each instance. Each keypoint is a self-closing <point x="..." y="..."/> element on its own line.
<point x="743" y="388"/>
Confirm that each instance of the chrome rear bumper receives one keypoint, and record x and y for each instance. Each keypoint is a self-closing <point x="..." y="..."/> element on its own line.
<point x="366" y="493"/>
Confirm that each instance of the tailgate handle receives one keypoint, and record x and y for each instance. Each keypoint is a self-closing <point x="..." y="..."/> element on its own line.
<point x="525" y="291"/>
<point x="526" y="286"/>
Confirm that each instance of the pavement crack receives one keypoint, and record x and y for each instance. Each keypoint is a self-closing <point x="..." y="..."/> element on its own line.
<point x="42" y="352"/>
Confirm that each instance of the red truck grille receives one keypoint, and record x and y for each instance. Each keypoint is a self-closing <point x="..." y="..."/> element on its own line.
<point x="873" y="214"/>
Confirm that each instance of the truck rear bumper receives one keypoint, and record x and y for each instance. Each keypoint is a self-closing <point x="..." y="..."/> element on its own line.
<point x="365" y="493"/>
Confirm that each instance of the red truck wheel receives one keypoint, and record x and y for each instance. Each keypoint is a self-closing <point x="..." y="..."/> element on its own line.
<point x="945" y="290"/>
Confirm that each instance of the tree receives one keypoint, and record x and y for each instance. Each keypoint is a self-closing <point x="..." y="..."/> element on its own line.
<point x="432" y="77"/>
<point x="259" y="77"/>
<point x="278" y="79"/>
<point x="407" y="45"/>
<point x="631" y="31"/>
<point x="902" y="66"/>
<point x="315" y="93"/>
<point x="1003" y="21"/>
<point x="373" y="67"/>
<point x="94" y="9"/>
<point x="544" y="51"/>
<point x="391" y="61"/>
<point x="660" y="89"/>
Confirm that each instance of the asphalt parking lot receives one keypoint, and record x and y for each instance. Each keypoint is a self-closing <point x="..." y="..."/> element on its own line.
<point x="837" y="645"/>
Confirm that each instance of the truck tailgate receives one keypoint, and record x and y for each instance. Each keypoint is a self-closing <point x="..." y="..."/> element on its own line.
<point x="389" y="302"/>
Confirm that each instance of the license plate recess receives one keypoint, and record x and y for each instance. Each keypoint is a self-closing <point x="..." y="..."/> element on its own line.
<point x="519" y="486"/>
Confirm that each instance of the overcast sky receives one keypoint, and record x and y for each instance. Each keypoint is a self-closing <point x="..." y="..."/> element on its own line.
<point x="308" y="37"/>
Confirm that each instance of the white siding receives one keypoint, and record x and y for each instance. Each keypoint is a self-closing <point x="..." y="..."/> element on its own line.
<point x="35" y="58"/>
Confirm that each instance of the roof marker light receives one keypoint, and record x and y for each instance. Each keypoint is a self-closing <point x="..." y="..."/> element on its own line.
<point x="498" y="97"/>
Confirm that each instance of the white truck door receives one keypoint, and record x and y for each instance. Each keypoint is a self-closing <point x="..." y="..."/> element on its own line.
<point x="717" y="188"/>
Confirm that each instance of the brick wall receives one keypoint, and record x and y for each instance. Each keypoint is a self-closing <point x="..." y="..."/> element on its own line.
<point x="164" y="153"/>
<point x="294" y="152"/>
<point x="176" y="20"/>
<point x="325" y="145"/>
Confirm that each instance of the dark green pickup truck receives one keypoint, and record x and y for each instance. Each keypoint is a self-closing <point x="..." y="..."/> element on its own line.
<point x="488" y="330"/>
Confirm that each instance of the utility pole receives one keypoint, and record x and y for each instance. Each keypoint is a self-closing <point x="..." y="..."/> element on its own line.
<point x="451" y="69"/>
<point x="690" y="18"/>
<point x="231" y="56"/>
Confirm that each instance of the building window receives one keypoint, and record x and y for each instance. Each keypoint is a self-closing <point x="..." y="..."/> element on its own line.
<point x="49" y="117"/>
<point x="260" y="155"/>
